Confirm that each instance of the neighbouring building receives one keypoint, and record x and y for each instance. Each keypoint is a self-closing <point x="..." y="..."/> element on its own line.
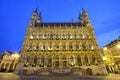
<point x="9" y="61"/>
<point x="111" y="56"/>
<point x="1" y="56"/>
<point x="60" y="47"/>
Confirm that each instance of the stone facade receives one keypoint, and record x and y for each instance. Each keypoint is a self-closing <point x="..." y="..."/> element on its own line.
<point x="60" y="47"/>
<point x="9" y="61"/>
<point x="111" y="56"/>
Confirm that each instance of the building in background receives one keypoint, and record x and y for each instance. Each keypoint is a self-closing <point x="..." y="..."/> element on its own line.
<point x="61" y="47"/>
<point x="1" y="56"/>
<point x="111" y="56"/>
<point x="9" y="61"/>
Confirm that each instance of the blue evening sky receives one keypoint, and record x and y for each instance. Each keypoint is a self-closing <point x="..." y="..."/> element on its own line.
<point x="15" y="16"/>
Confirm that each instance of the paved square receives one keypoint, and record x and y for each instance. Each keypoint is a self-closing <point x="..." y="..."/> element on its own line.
<point x="11" y="76"/>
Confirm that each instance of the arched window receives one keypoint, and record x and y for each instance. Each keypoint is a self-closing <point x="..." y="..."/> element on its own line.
<point x="38" y="60"/>
<point x="37" y="47"/>
<point x="30" y="47"/>
<point x="43" y="46"/>
<point x="28" y="59"/>
<point x="49" y="61"/>
<point x="57" y="46"/>
<point x="42" y="60"/>
<point x="64" y="47"/>
<point x="83" y="47"/>
<point x="81" y="36"/>
<point x="35" y="59"/>
<point x="70" y="46"/>
<point x="86" y="36"/>
<point x="93" y="60"/>
<point x="86" y="60"/>
<point x="51" y="36"/>
<point x="90" y="47"/>
<point x="71" y="60"/>
<point x="63" y="36"/>
<point x="77" y="46"/>
<point x="79" y="60"/>
<point x="57" y="36"/>
<point x="69" y="36"/>
<point x="75" y="35"/>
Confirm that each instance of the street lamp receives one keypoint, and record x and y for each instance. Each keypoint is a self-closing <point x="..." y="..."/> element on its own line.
<point x="118" y="46"/>
<point x="105" y="48"/>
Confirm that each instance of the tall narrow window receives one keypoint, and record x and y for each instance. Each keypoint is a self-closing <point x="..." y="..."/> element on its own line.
<point x="42" y="60"/>
<point x="86" y="60"/>
<point x="57" y="36"/>
<point x="69" y="36"/>
<point x="72" y="60"/>
<point x="81" y="36"/>
<point x="75" y="35"/>
<point x="77" y="46"/>
<point x="93" y="60"/>
<point x="70" y="46"/>
<point x="79" y="61"/>
<point x="63" y="47"/>
<point x="51" y="36"/>
<point x="35" y="59"/>
<point x="83" y="47"/>
<point x="86" y="36"/>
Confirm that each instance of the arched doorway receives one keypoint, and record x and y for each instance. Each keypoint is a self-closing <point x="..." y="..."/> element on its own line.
<point x="2" y="66"/>
<point x="57" y="64"/>
<point x="11" y="67"/>
<point x="7" y="67"/>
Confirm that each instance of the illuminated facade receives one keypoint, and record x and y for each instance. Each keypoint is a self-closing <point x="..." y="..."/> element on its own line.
<point x="9" y="61"/>
<point x="60" y="47"/>
<point x="111" y="56"/>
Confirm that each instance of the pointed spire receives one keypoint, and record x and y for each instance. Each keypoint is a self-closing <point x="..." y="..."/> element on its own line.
<point x="39" y="18"/>
<point x="36" y="10"/>
<point x="83" y="10"/>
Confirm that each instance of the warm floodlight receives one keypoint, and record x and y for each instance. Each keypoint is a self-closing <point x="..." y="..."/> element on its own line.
<point x="105" y="48"/>
<point x="118" y="46"/>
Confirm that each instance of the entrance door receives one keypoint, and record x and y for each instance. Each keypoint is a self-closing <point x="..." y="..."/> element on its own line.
<point x="57" y="64"/>
<point x="64" y="63"/>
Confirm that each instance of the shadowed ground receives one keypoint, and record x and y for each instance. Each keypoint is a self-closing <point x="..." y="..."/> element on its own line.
<point x="11" y="76"/>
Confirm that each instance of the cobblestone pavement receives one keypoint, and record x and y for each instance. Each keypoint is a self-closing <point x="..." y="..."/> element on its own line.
<point x="11" y="76"/>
